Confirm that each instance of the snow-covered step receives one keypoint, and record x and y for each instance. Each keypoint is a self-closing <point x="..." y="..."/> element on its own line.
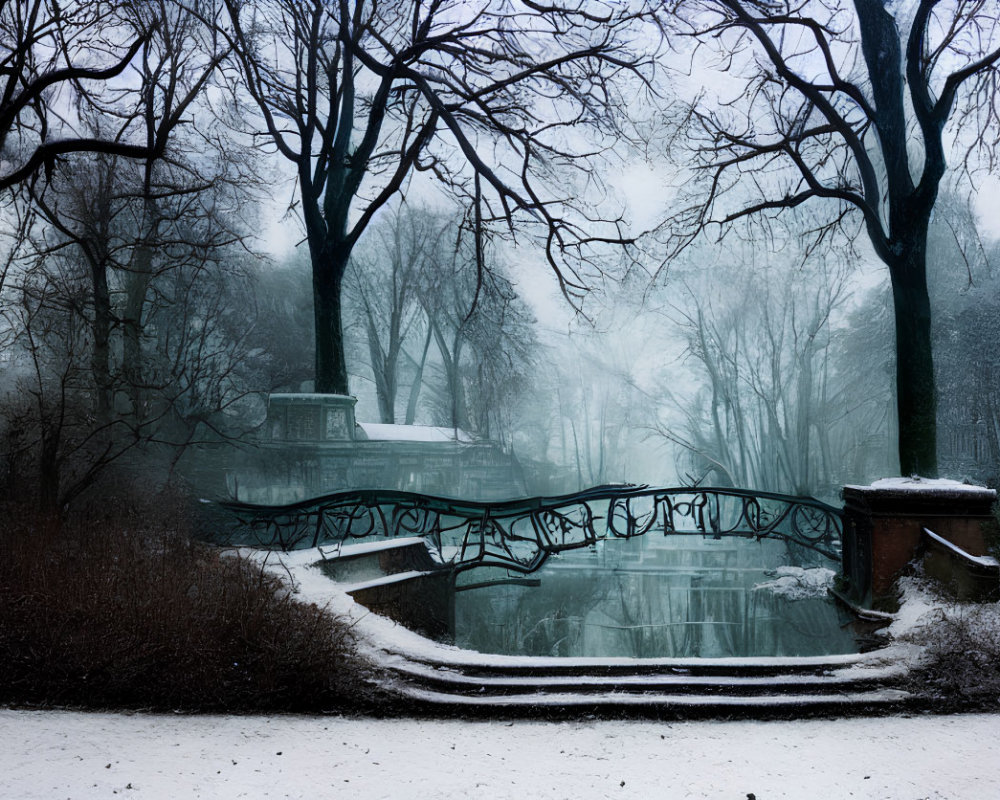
<point x="463" y="682"/>
<point x="419" y="599"/>
<point x="386" y="580"/>
<point x="357" y="563"/>
<point x="457" y="682"/>
<point x="661" y="704"/>
<point x="471" y="663"/>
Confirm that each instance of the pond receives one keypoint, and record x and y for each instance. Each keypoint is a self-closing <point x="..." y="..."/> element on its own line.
<point x="658" y="597"/>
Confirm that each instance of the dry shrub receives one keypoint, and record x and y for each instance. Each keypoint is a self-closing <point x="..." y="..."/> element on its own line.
<point x="119" y="609"/>
<point x="961" y="670"/>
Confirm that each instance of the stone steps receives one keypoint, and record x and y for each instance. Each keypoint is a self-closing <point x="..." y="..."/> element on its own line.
<point x="652" y="704"/>
<point x="681" y="689"/>
<point x="466" y="683"/>
<point x="357" y="563"/>
<point x="458" y="682"/>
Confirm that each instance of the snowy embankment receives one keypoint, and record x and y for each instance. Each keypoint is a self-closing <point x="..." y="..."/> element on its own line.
<point x="379" y="636"/>
<point x="54" y="755"/>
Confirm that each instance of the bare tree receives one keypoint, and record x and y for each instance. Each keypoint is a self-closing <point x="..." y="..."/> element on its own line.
<point x="132" y="217"/>
<point x="19" y="217"/>
<point x="505" y="344"/>
<point x="155" y="294"/>
<point x="482" y="330"/>
<point x="359" y="96"/>
<point x="82" y="204"/>
<point x="604" y="408"/>
<point x="850" y="106"/>
<point x="50" y="431"/>
<point x="385" y="280"/>
<point x="967" y="321"/>
<point x="198" y="368"/>
<point x="53" y="55"/>
<point x="451" y="295"/>
<point x="283" y="333"/>
<point x="770" y="403"/>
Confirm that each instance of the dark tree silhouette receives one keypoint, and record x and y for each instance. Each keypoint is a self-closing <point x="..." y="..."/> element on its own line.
<point x="63" y="50"/>
<point x="845" y="105"/>
<point x="88" y="202"/>
<point x="359" y="95"/>
<point x="120" y="307"/>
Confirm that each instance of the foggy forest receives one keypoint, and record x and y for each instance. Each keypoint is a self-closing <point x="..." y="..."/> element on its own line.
<point x="718" y="242"/>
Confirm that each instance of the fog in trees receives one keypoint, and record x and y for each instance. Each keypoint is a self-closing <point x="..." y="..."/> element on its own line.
<point x="850" y="107"/>
<point x="210" y="203"/>
<point x="358" y="97"/>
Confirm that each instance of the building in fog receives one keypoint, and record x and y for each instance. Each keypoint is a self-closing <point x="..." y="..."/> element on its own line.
<point x="311" y="445"/>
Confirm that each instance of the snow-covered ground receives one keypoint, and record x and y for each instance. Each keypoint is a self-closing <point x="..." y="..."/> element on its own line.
<point x="924" y="485"/>
<point x="50" y="755"/>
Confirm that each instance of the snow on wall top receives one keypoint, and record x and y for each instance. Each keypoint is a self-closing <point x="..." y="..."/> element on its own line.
<point x="311" y="396"/>
<point x="383" y="432"/>
<point x="917" y="484"/>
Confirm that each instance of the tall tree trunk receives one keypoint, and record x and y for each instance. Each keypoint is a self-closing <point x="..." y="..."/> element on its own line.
<point x="916" y="398"/>
<point x="101" y="358"/>
<point x="910" y="207"/>
<point x="450" y="358"/>
<point x="411" y="405"/>
<point x="802" y="482"/>
<point x="49" y="468"/>
<point x="137" y="286"/>
<point x="328" y="278"/>
<point x="459" y="406"/>
<point x="390" y="374"/>
<point x="385" y="394"/>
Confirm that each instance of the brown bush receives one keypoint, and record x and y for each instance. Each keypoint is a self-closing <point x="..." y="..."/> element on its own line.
<point x="119" y="609"/>
<point x="960" y="670"/>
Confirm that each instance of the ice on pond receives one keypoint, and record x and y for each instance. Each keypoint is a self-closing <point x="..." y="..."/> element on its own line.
<point x="798" y="583"/>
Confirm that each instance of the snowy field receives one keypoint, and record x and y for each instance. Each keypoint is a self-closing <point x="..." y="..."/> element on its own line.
<point x="55" y="755"/>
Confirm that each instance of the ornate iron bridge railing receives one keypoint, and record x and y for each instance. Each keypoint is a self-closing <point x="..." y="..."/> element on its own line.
<point x="519" y="535"/>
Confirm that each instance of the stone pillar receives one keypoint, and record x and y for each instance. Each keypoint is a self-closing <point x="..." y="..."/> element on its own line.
<point x="883" y="524"/>
<point x="312" y="418"/>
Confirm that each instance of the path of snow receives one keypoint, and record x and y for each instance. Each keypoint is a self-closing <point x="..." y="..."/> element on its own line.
<point x="55" y="755"/>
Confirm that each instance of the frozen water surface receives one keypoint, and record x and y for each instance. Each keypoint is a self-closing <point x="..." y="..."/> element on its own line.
<point x="658" y="597"/>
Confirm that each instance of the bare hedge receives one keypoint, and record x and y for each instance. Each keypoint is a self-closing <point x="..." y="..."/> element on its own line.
<point x="118" y="608"/>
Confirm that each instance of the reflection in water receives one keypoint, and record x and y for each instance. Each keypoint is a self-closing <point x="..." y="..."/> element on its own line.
<point x="677" y="596"/>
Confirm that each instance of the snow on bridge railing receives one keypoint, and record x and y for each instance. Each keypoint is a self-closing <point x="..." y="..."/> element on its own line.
<point x="521" y="534"/>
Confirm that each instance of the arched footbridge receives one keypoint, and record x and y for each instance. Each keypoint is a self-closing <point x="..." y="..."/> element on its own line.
<point x="520" y="535"/>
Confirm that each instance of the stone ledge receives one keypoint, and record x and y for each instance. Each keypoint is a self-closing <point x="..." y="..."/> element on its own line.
<point x="921" y="495"/>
